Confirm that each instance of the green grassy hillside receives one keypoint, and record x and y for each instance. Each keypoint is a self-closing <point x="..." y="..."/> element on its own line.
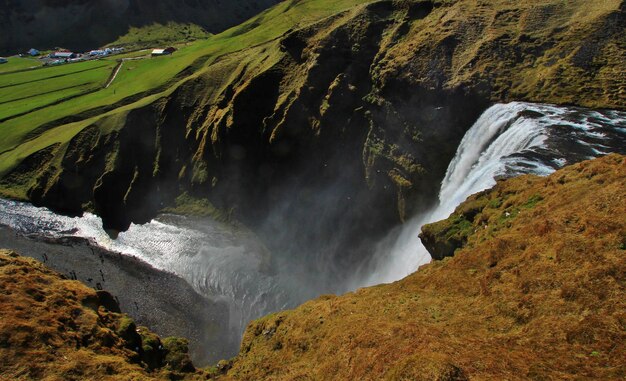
<point x="18" y="63"/>
<point x="160" y="35"/>
<point x="137" y="84"/>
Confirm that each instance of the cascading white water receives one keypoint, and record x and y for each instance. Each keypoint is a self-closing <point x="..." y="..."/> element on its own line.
<point x="507" y="140"/>
<point x="498" y="133"/>
<point x="483" y="152"/>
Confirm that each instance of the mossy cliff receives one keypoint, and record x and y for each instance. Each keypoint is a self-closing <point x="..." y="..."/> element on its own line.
<point x="537" y="292"/>
<point x="52" y="328"/>
<point x="369" y="103"/>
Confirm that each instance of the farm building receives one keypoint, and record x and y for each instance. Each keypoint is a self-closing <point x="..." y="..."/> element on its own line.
<point x="163" y="52"/>
<point x="63" y="55"/>
<point x="3" y="60"/>
<point x="33" y="52"/>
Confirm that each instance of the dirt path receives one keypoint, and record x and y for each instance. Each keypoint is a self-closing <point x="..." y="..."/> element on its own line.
<point x="114" y="75"/>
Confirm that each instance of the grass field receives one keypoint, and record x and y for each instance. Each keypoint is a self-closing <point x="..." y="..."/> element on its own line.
<point x="46" y="73"/>
<point x="138" y="83"/>
<point x="25" y="89"/>
<point x="132" y="54"/>
<point x="18" y="63"/>
<point x="21" y="106"/>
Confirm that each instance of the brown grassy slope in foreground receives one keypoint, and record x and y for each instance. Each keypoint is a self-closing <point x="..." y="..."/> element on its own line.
<point x="540" y="297"/>
<point x="52" y="328"/>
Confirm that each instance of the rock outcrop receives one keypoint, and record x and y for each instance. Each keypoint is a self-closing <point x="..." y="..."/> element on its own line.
<point x="537" y="292"/>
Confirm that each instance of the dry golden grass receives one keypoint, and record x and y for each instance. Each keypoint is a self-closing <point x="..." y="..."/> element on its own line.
<point x="56" y="329"/>
<point x="539" y="296"/>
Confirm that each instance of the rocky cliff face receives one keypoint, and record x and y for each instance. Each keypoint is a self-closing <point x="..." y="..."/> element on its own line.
<point x="81" y="24"/>
<point x="347" y="122"/>
<point x="535" y="293"/>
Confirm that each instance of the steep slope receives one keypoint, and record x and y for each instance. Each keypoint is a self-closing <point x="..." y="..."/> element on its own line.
<point x="53" y="328"/>
<point x="80" y="24"/>
<point x="361" y="106"/>
<point x="538" y="292"/>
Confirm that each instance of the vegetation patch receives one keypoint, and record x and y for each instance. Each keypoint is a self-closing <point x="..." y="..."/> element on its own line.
<point x="532" y="201"/>
<point x="159" y="35"/>
<point x="194" y="206"/>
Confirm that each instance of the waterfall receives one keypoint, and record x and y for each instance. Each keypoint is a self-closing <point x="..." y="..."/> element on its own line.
<point x="498" y="133"/>
<point x="507" y="140"/>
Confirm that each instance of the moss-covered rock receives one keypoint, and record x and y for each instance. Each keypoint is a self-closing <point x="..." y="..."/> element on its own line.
<point x="177" y="354"/>
<point x="152" y="350"/>
<point x="482" y="214"/>
<point x="442" y="239"/>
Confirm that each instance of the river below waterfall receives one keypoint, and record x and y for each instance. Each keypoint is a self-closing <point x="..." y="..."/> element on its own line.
<point x="232" y="266"/>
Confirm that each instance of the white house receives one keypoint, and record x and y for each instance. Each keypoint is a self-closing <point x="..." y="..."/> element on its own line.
<point x="163" y="52"/>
